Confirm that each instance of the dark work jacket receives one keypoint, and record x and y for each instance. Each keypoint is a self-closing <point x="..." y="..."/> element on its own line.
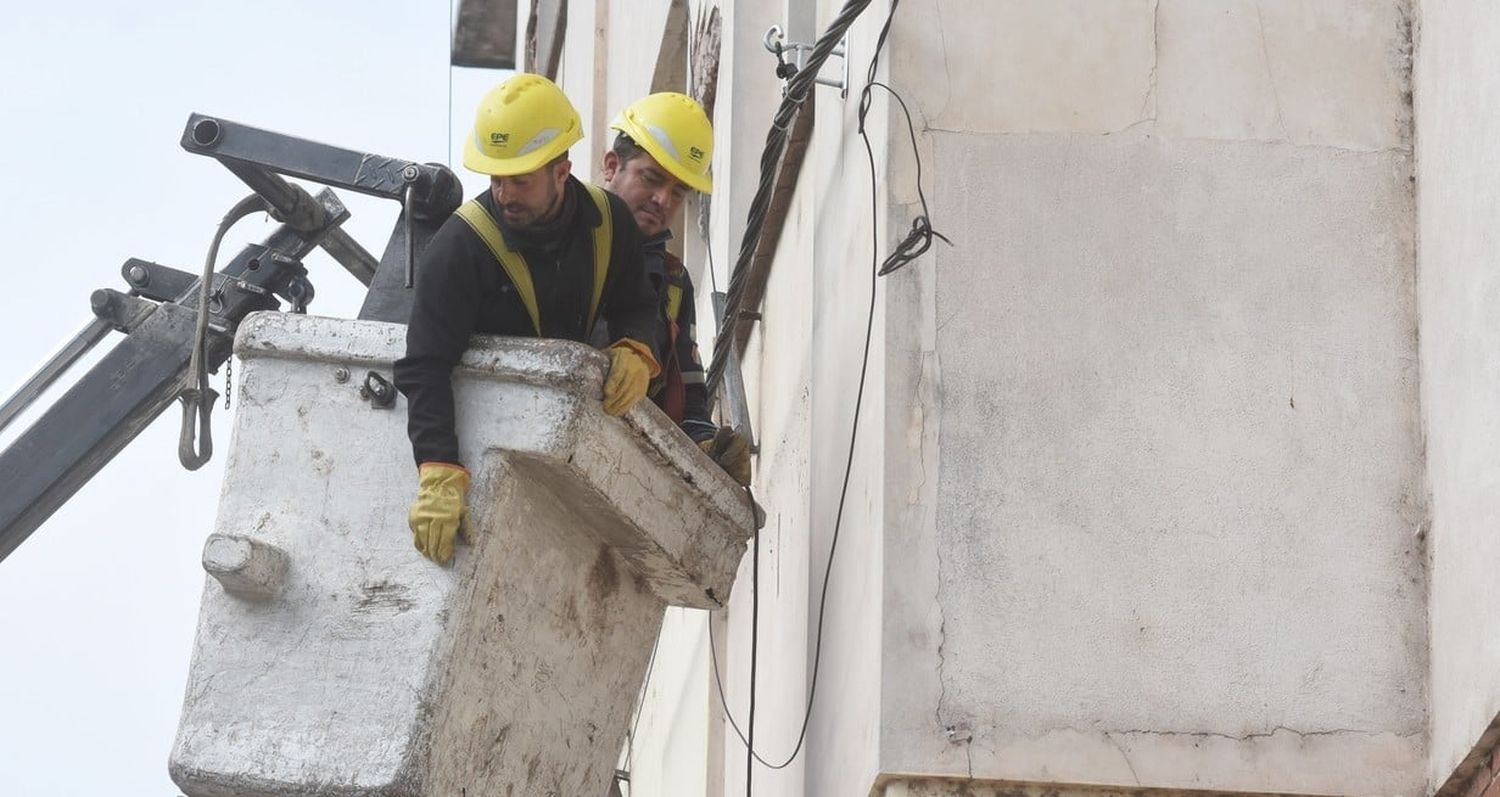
<point x="663" y="270"/>
<point x="695" y="420"/>
<point x="462" y="290"/>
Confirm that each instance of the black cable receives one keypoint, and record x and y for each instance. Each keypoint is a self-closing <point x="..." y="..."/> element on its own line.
<point x="843" y="490"/>
<point x="754" y="647"/>
<point x="838" y="525"/>
<point x="919" y="238"/>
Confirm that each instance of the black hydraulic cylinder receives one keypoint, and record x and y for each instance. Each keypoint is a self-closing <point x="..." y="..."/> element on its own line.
<point x="436" y="191"/>
<point x="429" y="194"/>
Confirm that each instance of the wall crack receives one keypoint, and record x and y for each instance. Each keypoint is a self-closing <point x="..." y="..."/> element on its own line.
<point x="937" y="9"/>
<point x="1336" y="149"/>
<point x="1261" y="734"/>
<point x="1265" y="52"/>
<point x="942" y="642"/>
<point x="1124" y="755"/>
<point x="919" y="428"/>
<point x="1148" y="103"/>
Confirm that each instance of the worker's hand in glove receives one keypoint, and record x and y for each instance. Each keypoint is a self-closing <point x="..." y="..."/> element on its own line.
<point x="732" y="451"/>
<point x="438" y="516"/>
<point x="631" y="367"/>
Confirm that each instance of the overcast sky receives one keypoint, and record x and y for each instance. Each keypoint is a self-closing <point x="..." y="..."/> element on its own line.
<point x="99" y="606"/>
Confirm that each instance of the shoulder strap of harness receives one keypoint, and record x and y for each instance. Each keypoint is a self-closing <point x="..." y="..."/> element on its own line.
<point x="674" y="301"/>
<point x="676" y="281"/>
<point x="604" y="236"/>
<point x="483" y="224"/>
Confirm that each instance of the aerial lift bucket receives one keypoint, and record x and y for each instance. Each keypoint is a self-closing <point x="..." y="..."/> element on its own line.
<point x="333" y="659"/>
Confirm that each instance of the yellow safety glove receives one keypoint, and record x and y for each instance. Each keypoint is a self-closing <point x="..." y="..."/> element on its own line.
<point x="438" y="514"/>
<point x="631" y="367"/>
<point x="731" y="450"/>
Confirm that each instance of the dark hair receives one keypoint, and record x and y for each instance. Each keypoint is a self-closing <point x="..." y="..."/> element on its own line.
<point x="626" y="148"/>
<point x="558" y="159"/>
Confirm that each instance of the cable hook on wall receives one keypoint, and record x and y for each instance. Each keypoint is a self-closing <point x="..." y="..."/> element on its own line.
<point x="776" y="43"/>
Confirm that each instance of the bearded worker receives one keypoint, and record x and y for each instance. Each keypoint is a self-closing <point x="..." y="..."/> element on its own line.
<point x="539" y="254"/>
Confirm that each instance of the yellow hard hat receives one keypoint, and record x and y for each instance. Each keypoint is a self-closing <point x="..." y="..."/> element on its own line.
<point x="521" y="125"/>
<point x="676" y="132"/>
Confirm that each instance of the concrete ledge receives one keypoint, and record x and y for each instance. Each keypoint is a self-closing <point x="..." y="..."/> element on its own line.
<point x="936" y="787"/>
<point x="1137" y="762"/>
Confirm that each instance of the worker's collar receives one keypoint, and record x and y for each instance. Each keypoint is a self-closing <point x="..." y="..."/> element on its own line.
<point x="655" y="260"/>
<point x="657" y="242"/>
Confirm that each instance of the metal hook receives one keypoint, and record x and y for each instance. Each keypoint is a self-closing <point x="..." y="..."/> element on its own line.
<point x="773" y="38"/>
<point x="409" y="174"/>
<point x="196" y="401"/>
<point x="775" y="42"/>
<point x="378" y="391"/>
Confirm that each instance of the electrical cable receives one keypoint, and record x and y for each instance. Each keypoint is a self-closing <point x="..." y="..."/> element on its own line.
<point x="843" y="491"/>
<point x="919" y="238"/>
<point x="828" y="567"/>
<point x="754" y="659"/>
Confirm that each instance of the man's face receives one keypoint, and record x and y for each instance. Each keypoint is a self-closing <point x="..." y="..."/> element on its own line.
<point x="652" y="193"/>
<point x="526" y="200"/>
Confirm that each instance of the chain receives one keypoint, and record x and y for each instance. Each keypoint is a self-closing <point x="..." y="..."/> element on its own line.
<point x="228" y="379"/>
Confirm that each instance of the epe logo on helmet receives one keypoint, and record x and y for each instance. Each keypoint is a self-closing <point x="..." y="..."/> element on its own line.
<point x="499" y="140"/>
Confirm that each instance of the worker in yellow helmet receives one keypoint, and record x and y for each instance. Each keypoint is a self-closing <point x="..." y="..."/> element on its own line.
<point x="539" y="254"/>
<point x="661" y="153"/>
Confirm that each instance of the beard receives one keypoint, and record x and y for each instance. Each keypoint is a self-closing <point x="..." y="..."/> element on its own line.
<point x="519" y="214"/>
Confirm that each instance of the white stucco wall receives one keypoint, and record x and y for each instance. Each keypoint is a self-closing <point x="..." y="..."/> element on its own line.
<point x="802" y="369"/>
<point x="780" y="392"/>
<point x="669" y="755"/>
<point x="1172" y="365"/>
<point x="1458" y="94"/>
<point x="635" y="33"/>
<point x="583" y="75"/>
<point x="847" y="722"/>
<point x="609" y="58"/>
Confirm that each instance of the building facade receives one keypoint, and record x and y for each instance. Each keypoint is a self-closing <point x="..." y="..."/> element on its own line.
<point x="1173" y="472"/>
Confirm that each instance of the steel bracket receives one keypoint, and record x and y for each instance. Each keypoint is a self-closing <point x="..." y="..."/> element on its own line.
<point x="775" y="43"/>
<point x="157" y="282"/>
